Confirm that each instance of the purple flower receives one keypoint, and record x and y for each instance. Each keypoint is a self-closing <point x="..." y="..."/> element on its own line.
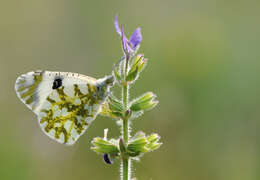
<point x="130" y="45"/>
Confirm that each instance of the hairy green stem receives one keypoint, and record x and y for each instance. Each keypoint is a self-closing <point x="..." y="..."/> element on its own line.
<point x="126" y="174"/>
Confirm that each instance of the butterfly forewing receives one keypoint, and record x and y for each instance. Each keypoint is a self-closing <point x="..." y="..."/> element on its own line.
<point x="26" y="87"/>
<point x="65" y="103"/>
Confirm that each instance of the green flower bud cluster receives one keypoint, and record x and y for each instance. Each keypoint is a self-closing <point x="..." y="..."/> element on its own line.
<point x="137" y="146"/>
<point x="114" y="108"/>
<point x="104" y="146"/>
<point x="137" y="65"/>
<point x="136" y="68"/>
<point x="109" y="148"/>
<point x="140" y="144"/>
<point x="145" y="102"/>
<point x="126" y="72"/>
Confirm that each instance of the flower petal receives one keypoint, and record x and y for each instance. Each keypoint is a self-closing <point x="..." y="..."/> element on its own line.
<point x="125" y="42"/>
<point x="136" y="37"/>
<point x="117" y="26"/>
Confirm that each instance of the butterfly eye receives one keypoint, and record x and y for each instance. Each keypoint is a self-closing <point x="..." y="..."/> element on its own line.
<point x="57" y="83"/>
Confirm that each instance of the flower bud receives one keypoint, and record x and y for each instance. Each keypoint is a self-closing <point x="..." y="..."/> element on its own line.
<point x="132" y="75"/>
<point x="153" y="142"/>
<point x="114" y="104"/>
<point x="137" y="66"/>
<point x="140" y="62"/>
<point x="112" y="108"/>
<point x="104" y="146"/>
<point x="141" y="144"/>
<point x="145" y="102"/>
<point x="138" y="144"/>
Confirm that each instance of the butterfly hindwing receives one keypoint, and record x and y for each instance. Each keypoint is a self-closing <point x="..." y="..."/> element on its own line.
<point x="65" y="117"/>
<point x="65" y="103"/>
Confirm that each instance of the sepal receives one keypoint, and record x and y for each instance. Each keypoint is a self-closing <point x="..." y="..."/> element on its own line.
<point x="112" y="108"/>
<point x="136" y="68"/>
<point x="132" y="75"/>
<point x="115" y="104"/>
<point x="140" y="62"/>
<point x="153" y="142"/>
<point x="141" y="144"/>
<point x="105" y="146"/>
<point x="117" y="75"/>
<point x="145" y="102"/>
<point x="137" y="145"/>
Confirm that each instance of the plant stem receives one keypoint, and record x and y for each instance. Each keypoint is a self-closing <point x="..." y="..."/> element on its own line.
<point x="125" y="160"/>
<point x="126" y="172"/>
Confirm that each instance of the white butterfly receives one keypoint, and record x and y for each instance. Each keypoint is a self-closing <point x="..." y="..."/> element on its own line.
<point x="65" y="103"/>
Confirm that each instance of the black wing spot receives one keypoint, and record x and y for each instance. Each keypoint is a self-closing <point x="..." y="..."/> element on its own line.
<point x="57" y="83"/>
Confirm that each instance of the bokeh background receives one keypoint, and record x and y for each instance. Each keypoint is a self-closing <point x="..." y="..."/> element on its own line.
<point x="203" y="65"/>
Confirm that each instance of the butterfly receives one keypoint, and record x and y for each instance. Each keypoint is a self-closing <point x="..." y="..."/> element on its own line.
<point x="65" y="103"/>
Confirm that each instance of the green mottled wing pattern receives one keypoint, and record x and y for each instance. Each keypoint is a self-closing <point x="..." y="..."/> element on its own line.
<point x="65" y="111"/>
<point x="65" y="117"/>
<point x="26" y="88"/>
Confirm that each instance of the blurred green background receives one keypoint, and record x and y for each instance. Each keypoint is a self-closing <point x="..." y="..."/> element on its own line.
<point x="203" y="65"/>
